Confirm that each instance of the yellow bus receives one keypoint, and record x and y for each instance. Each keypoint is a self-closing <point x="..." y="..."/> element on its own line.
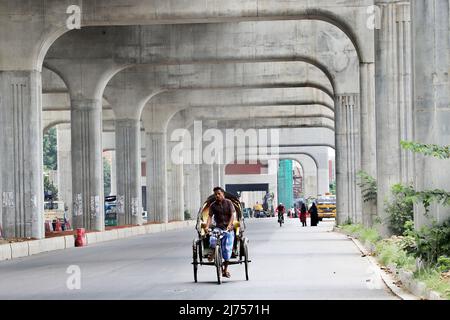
<point x="326" y="206"/>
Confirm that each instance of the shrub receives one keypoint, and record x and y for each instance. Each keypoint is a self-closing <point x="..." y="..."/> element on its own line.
<point x="433" y="242"/>
<point x="187" y="215"/>
<point x="368" y="185"/>
<point x="389" y="252"/>
<point x="370" y="235"/>
<point x="443" y="264"/>
<point x="401" y="208"/>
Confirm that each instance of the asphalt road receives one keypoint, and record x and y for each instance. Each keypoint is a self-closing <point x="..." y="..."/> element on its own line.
<point x="291" y="262"/>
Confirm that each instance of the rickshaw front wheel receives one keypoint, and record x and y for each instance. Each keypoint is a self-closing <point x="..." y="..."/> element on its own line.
<point x="218" y="263"/>
<point x="246" y="259"/>
<point x="194" y="259"/>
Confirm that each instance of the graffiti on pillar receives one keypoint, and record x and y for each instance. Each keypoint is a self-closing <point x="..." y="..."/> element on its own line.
<point x="78" y="205"/>
<point x="95" y="206"/>
<point x="134" y="206"/>
<point x="8" y="200"/>
<point x="121" y="204"/>
<point x="33" y="201"/>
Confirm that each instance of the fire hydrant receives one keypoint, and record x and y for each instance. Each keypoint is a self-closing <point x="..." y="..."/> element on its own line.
<point x="80" y="240"/>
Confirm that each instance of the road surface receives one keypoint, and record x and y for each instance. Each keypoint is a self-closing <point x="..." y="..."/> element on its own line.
<point x="291" y="262"/>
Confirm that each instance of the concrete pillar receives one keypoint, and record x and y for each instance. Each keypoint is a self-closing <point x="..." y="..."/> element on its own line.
<point x="393" y="105"/>
<point x="311" y="183"/>
<point x="221" y="175"/>
<point x="156" y="148"/>
<point x="175" y="181"/>
<point x="113" y="191"/>
<point x="368" y="134"/>
<point x="310" y="175"/>
<point x="216" y="175"/>
<point x="348" y="158"/>
<point x="206" y="181"/>
<point x="65" y="166"/>
<point x="404" y="51"/>
<point x="21" y="166"/>
<point x="178" y="192"/>
<point x="273" y="165"/>
<point x="191" y="188"/>
<point x="175" y="170"/>
<point x="128" y="164"/>
<point x="87" y="164"/>
<point x="323" y="180"/>
<point x="431" y="45"/>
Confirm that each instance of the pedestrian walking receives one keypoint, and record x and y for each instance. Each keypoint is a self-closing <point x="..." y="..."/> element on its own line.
<point x="314" y="216"/>
<point x="303" y="215"/>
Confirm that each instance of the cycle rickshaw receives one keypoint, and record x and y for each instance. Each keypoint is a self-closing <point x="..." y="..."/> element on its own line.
<point x="200" y="246"/>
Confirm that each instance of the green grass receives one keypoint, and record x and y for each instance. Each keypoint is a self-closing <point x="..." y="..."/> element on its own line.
<point x="362" y="233"/>
<point x="432" y="279"/>
<point x="389" y="252"/>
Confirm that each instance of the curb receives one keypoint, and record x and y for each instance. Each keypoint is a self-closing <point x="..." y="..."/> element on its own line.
<point x="411" y="289"/>
<point x="387" y="278"/>
<point x="28" y="248"/>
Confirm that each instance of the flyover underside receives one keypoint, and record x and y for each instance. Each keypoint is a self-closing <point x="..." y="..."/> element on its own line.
<point x="138" y="74"/>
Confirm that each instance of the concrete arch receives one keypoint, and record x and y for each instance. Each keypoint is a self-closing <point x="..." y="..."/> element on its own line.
<point x="53" y="124"/>
<point x="136" y="86"/>
<point x="129" y="61"/>
<point x="162" y="108"/>
<point x="236" y="113"/>
<point x="345" y="18"/>
<point x="312" y="166"/>
<point x="310" y="183"/>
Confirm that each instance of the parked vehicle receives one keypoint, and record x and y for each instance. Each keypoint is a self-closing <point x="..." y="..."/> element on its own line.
<point x="111" y="211"/>
<point x="326" y="206"/>
<point x="247" y="212"/>
<point x="261" y="214"/>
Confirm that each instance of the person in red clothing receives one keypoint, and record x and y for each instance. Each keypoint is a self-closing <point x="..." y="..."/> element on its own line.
<point x="303" y="215"/>
<point x="281" y="210"/>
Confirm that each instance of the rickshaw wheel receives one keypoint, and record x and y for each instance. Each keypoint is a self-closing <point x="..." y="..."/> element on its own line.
<point x="218" y="263"/>
<point x="194" y="258"/>
<point x="246" y="259"/>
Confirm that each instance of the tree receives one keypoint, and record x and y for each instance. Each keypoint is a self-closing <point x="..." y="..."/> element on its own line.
<point x="49" y="188"/>
<point x="50" y="150"/>
<point x="333" y="188"/>
<point x="106" y="176"/>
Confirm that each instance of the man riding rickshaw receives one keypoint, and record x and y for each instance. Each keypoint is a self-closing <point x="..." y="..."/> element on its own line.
<point x="220" y="226"/>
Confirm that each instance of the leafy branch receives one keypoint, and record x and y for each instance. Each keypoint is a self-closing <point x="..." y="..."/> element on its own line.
<point x="368" y="185"/>
<point x="428" y="197"/>
<point x="440" y="152"/>
<point x="425" y="197"/>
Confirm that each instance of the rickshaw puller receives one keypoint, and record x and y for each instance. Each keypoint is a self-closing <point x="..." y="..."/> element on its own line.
<point x="223" y="212"/>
